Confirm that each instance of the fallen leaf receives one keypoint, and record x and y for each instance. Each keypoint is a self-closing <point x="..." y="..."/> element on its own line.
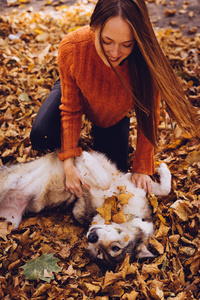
<point x="41" y="268"/>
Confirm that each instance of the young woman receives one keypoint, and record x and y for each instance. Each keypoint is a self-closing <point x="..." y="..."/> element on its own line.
<point x="106" y="70"/>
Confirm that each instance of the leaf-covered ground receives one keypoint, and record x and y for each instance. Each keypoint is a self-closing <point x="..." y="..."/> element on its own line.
<point x="28" y="69"/>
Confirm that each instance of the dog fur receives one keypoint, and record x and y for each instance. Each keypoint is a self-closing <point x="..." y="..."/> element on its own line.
<point x="35" y="185"/>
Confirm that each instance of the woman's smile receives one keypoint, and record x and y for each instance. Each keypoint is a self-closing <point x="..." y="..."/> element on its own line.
<point x="117" y="40"/>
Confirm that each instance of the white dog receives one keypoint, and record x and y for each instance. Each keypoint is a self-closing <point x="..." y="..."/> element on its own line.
<point x="32" y="186"/>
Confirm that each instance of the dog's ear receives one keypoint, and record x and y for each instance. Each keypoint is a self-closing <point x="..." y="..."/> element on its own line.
<point x="144" y="252"/>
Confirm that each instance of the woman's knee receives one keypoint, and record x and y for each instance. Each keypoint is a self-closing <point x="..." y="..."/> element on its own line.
<point x="37" y="137"/>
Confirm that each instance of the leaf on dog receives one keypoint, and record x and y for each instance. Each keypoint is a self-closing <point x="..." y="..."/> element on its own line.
<point x="111" y="210"/>
<point x="154" y="201"/>
<point x="122" y="189"/>
<point x="105" y="211"/>
<point x="124" y="198"/>
<point x="41" y="268"/>
<point x="119" y="217"/>
<point x="127" y="238"/>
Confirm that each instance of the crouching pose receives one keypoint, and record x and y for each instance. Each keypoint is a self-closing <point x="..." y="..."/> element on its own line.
<point x="32" y="186"/>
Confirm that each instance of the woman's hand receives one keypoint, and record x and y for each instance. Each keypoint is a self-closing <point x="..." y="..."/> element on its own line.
<point x="142" y="181"/>
<point x="73" y="179"/>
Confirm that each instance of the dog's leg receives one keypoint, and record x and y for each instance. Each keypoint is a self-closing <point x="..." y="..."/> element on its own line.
<point x="93" y="172"/>
<point x="84" y="209"/>
<point x="164" y="187"/>
<point x="18" y="195"/>
<point x="14" y="206"/>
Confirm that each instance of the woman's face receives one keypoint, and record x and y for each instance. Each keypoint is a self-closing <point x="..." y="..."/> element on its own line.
<point x="117" y="40"/>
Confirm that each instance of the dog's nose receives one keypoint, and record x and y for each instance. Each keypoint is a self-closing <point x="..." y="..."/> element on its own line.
<point x="92" y="237"/>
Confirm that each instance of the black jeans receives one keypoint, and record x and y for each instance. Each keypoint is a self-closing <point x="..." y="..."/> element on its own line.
<point x="45" y="133"/>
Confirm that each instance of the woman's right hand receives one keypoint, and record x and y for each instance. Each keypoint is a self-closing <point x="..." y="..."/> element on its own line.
<point x="73" y="179"/>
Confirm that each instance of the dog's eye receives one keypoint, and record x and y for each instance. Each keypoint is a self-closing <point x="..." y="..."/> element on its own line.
<point x="115" y="249"/>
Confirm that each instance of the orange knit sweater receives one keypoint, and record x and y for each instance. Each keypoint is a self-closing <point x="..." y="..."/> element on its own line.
<point x="91" y="87"/>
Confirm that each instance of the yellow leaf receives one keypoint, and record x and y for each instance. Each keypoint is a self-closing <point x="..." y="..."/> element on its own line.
<point x="162" y="219"/>
<point x="154" y="201"/>
<point x="127" y="238"/>
<point x="119" y="217"/>
<point x="123" y="198"/>
<point x="39" y="31"/>
<point x="48" y="2"/>
<point x="105" y="211"/>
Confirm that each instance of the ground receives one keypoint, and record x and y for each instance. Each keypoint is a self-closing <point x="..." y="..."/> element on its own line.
<point x="164" y="13"/>
<point x="28" y="69"/>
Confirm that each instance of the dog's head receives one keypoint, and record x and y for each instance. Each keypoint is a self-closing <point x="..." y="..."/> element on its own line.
<point x="109" y="244"/>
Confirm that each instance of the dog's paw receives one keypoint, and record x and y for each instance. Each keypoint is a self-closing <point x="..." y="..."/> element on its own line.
<point x="164" y="172"/>
<point x="162" y="168"/>
<point x="164" y="187"/>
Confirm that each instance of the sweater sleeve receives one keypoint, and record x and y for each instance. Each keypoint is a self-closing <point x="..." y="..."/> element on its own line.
<point x="71" y="108"/>
<point x="144" y="155"/>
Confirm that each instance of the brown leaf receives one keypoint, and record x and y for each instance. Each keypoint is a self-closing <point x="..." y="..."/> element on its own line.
<point x="162" y="231"/>
<point x="179" y="208"/>
<point x="158" y="246"/>
<point x="5" y="229"/>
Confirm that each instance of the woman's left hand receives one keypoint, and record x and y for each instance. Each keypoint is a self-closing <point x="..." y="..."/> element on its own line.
<point x="142" y="181"/>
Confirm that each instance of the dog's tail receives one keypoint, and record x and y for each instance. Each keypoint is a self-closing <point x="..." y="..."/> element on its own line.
<point x="93" y="171"/>
<point x="164" y="187"/>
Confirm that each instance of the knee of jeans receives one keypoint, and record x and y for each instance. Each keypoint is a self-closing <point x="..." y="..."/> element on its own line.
<point x="37" y="138"/>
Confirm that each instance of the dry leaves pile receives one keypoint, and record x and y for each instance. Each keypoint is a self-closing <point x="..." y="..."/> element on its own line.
<point x="28" y="52"/>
